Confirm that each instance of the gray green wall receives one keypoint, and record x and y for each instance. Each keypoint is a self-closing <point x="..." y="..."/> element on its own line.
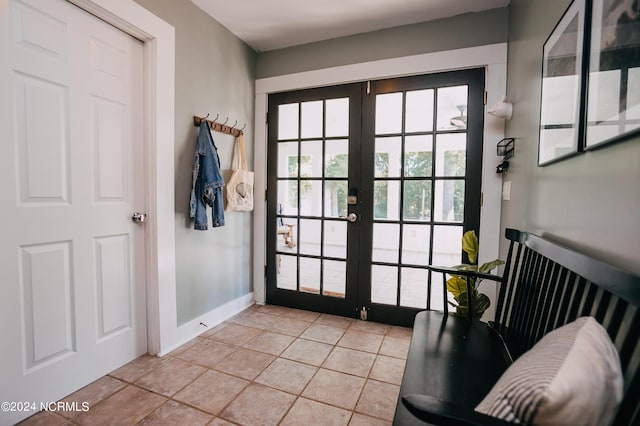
<point x="591" y="201"/>
<point x="215" y="73"/>
<point x="468" y="30"/>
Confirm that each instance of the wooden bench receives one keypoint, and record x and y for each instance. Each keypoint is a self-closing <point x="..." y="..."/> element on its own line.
<point x="453" y="362"/>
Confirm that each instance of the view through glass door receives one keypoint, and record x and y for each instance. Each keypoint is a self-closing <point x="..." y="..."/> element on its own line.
<point x="369" y="183"/>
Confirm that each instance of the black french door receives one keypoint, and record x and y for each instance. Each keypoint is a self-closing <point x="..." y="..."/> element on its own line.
<point x="367" y="184"/>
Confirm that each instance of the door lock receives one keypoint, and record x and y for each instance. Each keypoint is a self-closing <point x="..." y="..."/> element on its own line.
<point x="352" y="217"/>
<point x="138" y="217"/>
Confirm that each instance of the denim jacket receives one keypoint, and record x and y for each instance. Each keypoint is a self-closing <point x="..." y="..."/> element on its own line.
<point x="207" y="182"/>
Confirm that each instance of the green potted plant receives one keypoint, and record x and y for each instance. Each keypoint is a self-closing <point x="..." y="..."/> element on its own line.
<point x="457" y="285"/>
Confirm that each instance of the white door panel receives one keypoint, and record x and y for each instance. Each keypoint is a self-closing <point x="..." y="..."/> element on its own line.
<point x="72" y="261"/>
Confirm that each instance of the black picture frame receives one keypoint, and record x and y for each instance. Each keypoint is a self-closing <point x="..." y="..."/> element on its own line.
<point x="564" y="63"/>
<point x="613" y="97"/>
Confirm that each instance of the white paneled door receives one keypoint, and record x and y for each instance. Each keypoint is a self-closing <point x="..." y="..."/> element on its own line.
<point x="72" y="299"/>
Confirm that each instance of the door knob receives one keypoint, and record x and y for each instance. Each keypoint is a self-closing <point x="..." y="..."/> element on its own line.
<point x="138" y="217"/>
<point x="352" y="217"/>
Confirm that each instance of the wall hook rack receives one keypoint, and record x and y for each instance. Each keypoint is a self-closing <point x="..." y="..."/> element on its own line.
<point x="217" y="127"/>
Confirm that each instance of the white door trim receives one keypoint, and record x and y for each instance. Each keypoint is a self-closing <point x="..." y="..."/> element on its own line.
<point x="159" y="92"/>
<point x="493" y="57"/>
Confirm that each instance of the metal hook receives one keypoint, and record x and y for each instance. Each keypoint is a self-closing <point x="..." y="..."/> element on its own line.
<point x="205" y="117"/>
<point x="243" y="127"/>
<point x="234" y="125"/>
<point x="225" y="121"/>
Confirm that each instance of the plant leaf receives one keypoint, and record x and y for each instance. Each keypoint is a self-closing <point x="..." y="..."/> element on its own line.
<point x="470" y="245"/>
<point x="466" y="267"/>
<point x="480" y="304"/>
<point x="486" y="267"/>
<point x="456" y="285"/>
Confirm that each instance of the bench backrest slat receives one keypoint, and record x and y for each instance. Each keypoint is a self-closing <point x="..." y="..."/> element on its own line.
<point x="547" y="285"/>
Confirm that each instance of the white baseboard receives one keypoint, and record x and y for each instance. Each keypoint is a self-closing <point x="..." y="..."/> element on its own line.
<point x="212" y="318"/>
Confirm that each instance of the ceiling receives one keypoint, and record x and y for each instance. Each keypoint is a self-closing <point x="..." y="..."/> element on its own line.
<point x="274" y="24"/>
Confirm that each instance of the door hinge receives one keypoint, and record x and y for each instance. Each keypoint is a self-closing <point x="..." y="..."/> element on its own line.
<point x="484" y="98"/>
<point x="266" y="118"/>
<point x="363" y="313"/>
<point x="265" y="270"/>
<point x="368" y="87"/>
<point x="265" y="195"/>
<point x="481" y="198"/>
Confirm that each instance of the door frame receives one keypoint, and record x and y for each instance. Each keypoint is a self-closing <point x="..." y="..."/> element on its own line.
<point x="493" y="57"/>
<point x="158" y="38"/>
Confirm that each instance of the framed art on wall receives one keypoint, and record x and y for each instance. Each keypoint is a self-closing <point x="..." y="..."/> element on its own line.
<point x="613" y="101"/>
<point x="563" y="80"/>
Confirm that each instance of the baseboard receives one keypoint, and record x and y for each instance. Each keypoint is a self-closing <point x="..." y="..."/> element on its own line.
<point x="195" y="327"/>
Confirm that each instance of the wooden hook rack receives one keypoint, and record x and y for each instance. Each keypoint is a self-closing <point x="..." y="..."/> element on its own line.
<point x="217" y="127"/>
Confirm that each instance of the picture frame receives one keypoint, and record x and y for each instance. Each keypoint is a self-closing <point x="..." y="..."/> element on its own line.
<point x="613" y="97"/>
<point x="564" y="65"/>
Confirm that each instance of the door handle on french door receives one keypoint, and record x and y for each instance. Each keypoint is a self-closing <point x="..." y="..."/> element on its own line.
<point x="138" y="217"/>
<point x="352" y="217"/>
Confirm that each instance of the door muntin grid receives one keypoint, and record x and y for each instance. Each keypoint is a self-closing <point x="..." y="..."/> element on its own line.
<point x="312" y="183"/>
<point x="419" y="177"/>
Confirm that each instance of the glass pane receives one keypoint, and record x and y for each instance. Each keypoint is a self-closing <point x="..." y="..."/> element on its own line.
<point x="451" y="154"/>
<point x="437" y="302"/>
<point x="337" y="158"/>
<point x="337" y="116"/>
<point x="389" y="113"/>
<point x="309" y="275"/>
<point x="286" y="235"/>
<point x="417" y="200"/>
<point x="384" y="284"/>
<point x="310" y="197"/>
<point x="310" y="236"/>
<point x="415" y="244"/>
<point x="447" y="245"/>
<point x="311" y="119"/>
<point x="386" y="200"/>
<point x="418" y="156"/>
<point x="335" y="278"/>
<point x="335" y="198"/>
<point x="449" y="201"/>
<point x="288" y="197"/>
<point x="311" y="159"/>
<point x="452" y="108"/>
<point x="556" y="142"/>
<point x="288" y="159"/>
<point x="419" y="111"/>
<point x="387" y="159"/>
<point x="335" y="239"/>
<point x="386" y="237"/>
<point x="288" y="121"/>
<point x="413" y="287"/>
<point x="286" y="269"/>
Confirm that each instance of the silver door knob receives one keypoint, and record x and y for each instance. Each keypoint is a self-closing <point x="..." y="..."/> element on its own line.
<point x="352" y="217"/>
<point x="138" y="217"/>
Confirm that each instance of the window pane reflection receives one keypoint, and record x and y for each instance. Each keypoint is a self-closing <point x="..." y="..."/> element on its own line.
<point x="389" y="113"/>
<point x="452" y="108"/>
<point x="288" y="121"/>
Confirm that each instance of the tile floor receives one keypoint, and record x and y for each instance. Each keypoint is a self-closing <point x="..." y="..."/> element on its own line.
<point x="268" y="365"/>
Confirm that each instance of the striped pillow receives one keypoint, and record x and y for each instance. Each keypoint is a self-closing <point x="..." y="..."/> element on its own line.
<point x="572" y="376"/>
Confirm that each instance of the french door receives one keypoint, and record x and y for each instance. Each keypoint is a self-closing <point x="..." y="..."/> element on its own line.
<point x="368" y="183"/>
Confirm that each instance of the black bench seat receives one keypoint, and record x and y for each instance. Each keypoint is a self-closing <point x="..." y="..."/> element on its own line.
<point x="453" y="359"/>
<point x="453" y="362"/>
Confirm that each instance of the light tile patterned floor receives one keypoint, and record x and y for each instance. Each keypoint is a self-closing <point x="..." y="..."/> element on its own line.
<point x="268" y="365"/>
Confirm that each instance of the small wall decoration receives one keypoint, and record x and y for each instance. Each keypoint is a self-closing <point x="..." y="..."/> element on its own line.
<point x="613" y="98"/>
<point x="563" y="81"/>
